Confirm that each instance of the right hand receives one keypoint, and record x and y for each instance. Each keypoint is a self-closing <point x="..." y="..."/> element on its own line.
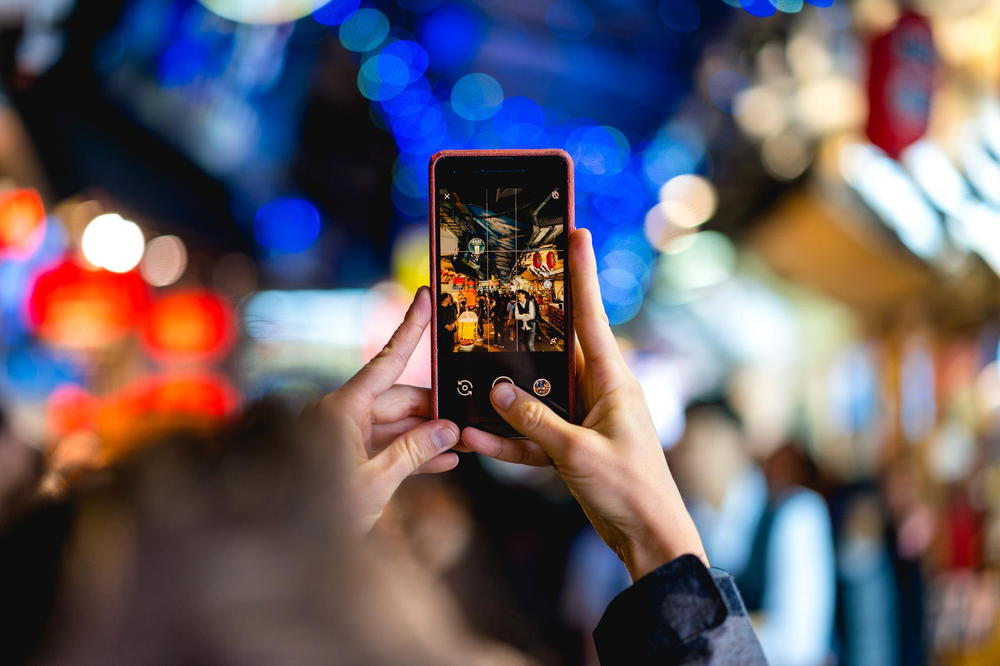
<point x="613" y="462"/>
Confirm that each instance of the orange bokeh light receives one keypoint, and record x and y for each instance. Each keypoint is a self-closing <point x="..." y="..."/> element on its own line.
<point x="22" y="221"/>
<point x="193" y="324"/>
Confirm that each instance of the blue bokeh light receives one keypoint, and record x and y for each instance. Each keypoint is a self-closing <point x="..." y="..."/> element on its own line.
<point x="759" y="8"/>
<point x="622" y="294"/>
<point x="412" y="54"/>
<point x="182" y="62"/>
<point x="788" y="6"/>
<point x="822" y="3"/>
<point x="287" y="225"/>
<point x="382" y="77"/>
<point x="476" y="96"/>
<point x="570" y="19"/>
<point x="364" y="30"/>
<point x="335" y="12"/>
<point x="32" y="371"/>
<point x="452" y="35"/>
<point x="680" y="15"/>
<point x="520" y="121"/>
<point x="598" y="150"/>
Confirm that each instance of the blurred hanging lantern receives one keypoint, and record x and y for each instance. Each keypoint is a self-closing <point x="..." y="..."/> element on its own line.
<point x="191" y="325"/>
<point x="22" y="221"/>
<point x="460" y="281"/>
<point x="901" y="84"/>
<point x="159" y="404"/>
<point x="73" y="307"/>
<point x="550" y="260"/>
<point x="537" y="259"/>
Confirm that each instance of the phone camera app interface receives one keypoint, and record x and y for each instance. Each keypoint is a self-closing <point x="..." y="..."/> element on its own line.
<point x="501" y="276"/>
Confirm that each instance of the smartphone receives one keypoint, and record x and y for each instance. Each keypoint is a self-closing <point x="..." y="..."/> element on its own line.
<point x="500" y="275"/>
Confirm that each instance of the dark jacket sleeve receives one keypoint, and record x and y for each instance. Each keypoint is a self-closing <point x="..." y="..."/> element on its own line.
<point x="682" y="613"/>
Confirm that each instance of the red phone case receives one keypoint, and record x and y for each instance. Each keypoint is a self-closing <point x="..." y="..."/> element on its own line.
<point x="570" y="226"/>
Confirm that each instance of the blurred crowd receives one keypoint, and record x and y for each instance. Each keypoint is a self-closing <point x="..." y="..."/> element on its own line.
<point x="796" y="209"/>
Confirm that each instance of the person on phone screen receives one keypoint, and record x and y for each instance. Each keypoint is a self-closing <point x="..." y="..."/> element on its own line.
<point x="526" y="317"/>
<point x="446" y="318"/>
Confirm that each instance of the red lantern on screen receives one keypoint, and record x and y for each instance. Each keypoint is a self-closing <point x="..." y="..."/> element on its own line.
<point x="192" y="324"/>
<point x="22" y="221"/>
<point x="74" y="307"/>
<point x="459" y="281"/>
<point x="537" y="259"/>
<point x="550" y="260"/>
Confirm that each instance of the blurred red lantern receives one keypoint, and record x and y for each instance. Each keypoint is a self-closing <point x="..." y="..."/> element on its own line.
<point x="158" y="404"/>
<point x="191" y="325"/>
<point x="22" y="221"/>
<point x="71" y="306"/>
<point x="550" y="260"/>
<point x="537" y="259"/>
<point x="459" y="281"/>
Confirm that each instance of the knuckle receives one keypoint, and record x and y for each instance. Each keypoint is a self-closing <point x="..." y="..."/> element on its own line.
<point x="532" y="414"/>
<point x="408" y="451"/>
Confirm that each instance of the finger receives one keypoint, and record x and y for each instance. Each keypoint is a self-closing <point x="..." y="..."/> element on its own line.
<point x="589" y="319"/>
<point x="401" y="401"/>
<point x="518" y="451"/>
<point x="384" y="434"/>
<point x="412" y="450"/>
<point x="382" y="371"/>
<point x="440" y="463"/>
<point x="531" y="418"/>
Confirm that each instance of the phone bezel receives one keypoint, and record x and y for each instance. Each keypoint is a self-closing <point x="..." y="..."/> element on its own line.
<point x="570" y="227"/>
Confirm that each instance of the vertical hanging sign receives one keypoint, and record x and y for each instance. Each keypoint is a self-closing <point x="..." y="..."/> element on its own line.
<point x="901" y="73"/>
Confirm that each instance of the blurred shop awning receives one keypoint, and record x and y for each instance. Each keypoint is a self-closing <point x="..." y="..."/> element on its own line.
<point x="811" y="239"/>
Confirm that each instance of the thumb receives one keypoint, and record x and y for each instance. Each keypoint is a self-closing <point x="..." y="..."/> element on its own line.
<point x="531" y="417"/>
<point x="412" y="450"/>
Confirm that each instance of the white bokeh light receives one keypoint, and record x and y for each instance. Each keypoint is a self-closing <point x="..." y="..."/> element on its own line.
<point x="114" y="243"/>
<point x="164" y="261"/>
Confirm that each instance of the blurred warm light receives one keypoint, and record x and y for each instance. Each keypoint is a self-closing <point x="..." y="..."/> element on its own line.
<point x="70" y="306"/>
<point x="689" y="200"/>
<point x="831" y="104"/>
<point x="263" y="11"/>
<point x="761" y="111"/>
<point x="114" y="243"/>
<point x="164" y="261"/>
<point x="659" y="228"/>
<point x="786" y="156"/>
<point x="808" y="57"/>
<point x="875" y="15"/>
<point x="22" y="221"/>
<point x="190" y="325"/>
<point x="410" y="260"/>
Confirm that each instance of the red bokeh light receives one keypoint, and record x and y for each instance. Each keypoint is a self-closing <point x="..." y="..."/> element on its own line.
<point x="72" y="306"/>
<point x="193" y="324"/>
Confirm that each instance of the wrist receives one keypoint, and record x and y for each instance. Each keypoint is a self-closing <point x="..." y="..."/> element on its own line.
<point x="661" y="541"/>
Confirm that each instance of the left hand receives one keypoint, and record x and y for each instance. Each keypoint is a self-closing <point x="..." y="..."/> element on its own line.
<point x="386" y="426"/>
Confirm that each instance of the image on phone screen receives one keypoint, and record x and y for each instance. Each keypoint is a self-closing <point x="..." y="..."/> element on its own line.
<point x="502" y="301"/>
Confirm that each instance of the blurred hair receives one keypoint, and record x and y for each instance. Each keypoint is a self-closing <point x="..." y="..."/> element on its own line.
<point x="716" y="406"/>
<point x="225" y="548"/>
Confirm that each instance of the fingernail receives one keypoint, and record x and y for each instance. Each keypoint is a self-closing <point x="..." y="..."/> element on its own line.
<point x="504" y="395"/>
<point x="444" y="437"/>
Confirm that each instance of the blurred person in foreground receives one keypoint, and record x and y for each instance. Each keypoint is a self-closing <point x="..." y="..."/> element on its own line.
<point x="761" y="523"/>
<point x="254" y="544"/>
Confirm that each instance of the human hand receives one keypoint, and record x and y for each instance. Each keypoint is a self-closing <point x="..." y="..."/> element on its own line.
<point x="612" y="463"/>
<point x="386" y="426"/>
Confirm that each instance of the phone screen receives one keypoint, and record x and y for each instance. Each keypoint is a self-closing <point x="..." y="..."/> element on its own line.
<point x="503" y="307"/>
